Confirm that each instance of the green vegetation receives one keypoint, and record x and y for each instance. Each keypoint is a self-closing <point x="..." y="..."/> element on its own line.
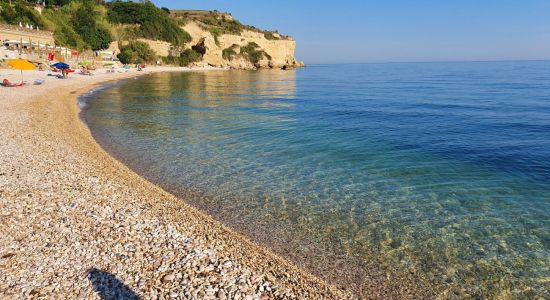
<point x="186" y="58"/>
<point x="20" y="11"/>
<point x="217" y="23"/>
<point x="93" y="24"/>
<point x="56" y="3"/>
<point x="271" y="36"/>
<point x="230" y="52"/>
<point x="136" y="52"/>
<point x="216" y="32"/>
<point x="153" y="22"/>
<point x="125" y="56"/>
<point x="64" y="33"/>
<point x="76" y="24"/>
<point x="252" y="53"/>
<point x="86" y="22"/>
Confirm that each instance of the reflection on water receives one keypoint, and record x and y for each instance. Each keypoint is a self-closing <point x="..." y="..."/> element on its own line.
<point x="403" y="178"/>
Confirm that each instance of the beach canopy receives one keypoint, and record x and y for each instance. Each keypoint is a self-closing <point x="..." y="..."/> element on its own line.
<point x="61" y="65"/>
<point x="21" y="64"/>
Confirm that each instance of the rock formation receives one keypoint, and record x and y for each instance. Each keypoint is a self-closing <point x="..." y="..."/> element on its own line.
<point x="277" y="52"/>
<point x="280" y="51"/>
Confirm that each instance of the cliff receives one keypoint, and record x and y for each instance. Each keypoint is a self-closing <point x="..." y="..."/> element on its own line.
<point x="226" y="50"/>
<point x="225" y="42"/>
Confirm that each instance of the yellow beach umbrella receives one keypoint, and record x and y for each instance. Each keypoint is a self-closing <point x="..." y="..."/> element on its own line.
<point x="21" y="64"/>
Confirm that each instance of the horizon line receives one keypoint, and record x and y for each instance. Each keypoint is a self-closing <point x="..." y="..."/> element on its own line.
<point x="429" y="61"/>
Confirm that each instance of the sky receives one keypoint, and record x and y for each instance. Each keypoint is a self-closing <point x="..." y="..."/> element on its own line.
<point x="357" y="31"/>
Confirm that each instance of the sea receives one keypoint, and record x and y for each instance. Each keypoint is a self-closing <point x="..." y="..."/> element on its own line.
<point x="404" y="176"/>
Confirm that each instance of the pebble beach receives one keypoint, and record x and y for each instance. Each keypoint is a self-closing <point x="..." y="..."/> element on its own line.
<point x="77" y="224"/>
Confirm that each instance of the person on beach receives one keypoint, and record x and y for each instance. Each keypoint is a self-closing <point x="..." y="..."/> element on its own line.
<point x="84" y="71"/>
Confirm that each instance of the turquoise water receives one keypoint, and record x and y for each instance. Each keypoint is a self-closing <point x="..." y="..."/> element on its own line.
<point x="432" y="177"/>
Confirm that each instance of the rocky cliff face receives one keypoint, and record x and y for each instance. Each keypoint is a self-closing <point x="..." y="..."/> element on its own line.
<point x="224" y="50"/>
<point x="278" y="52"/>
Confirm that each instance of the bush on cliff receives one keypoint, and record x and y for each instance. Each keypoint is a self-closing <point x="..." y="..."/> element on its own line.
<point x="189" y="56"/>
<point x="252" y="54"/>
<point x="125" y="56"/>
<point x="58" y="3"/>
<point x="229" y="53"/>
<point x="271" y="36"/>
<point x="64" y="32"/>
<point x="87" y="25"/>
<point x="218" y="23"/>
<point x="186" y="58"/>
<point x="153" y="23"/>
<point x="136" y="52"/>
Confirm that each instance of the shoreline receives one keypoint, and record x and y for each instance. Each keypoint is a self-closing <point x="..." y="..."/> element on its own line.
<point x="373" y="279"/>
<point x="77" y="222"/>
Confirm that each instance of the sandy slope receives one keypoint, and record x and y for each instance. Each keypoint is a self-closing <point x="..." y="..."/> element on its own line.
<point x="75" y="223"/>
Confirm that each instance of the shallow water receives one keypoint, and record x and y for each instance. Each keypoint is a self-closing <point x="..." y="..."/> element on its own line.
<point x="434" y="174"/>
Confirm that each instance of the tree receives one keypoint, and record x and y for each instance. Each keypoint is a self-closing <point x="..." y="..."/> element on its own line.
<point x="153" y="22"/>
<point x="125" y="56"/>
<point x="85" y="24"/>
<point x="136" y="52"/>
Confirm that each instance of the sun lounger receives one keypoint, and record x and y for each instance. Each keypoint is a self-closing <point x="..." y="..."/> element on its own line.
<point x="7" y="83"/>
<point x="57" y="76"/>
<point x="85" y="72"/>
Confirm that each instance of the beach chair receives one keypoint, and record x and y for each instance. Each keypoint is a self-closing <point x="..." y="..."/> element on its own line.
<point x="7" y="83"/>
<point x="56" y="76"/>
<point x="85" y="72"/>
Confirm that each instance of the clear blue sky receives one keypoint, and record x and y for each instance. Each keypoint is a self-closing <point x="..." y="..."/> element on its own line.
<point x="398" y="30"/>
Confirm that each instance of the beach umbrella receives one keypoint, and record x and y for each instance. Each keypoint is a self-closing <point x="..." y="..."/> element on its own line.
<point x="61" y="65"/>
<point x="21" y="64"/>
